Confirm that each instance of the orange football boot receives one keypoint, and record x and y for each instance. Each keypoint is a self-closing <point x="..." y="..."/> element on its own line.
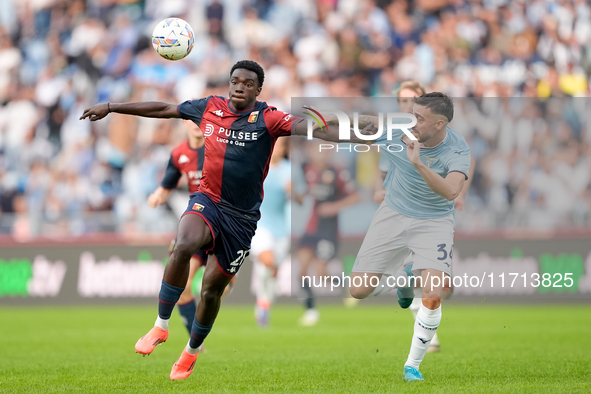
<point x="183" y="366"/>
<point x="147" y="343"/>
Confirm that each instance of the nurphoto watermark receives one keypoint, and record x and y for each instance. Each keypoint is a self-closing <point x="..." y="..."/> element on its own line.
<point x="351" y="123"/>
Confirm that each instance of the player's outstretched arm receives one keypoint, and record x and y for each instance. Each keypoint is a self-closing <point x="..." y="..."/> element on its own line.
<point x="331" y="133"/>
<point x="148" y="109"/>
<point x="367" y="123"/>
<point x="329" y="130"/>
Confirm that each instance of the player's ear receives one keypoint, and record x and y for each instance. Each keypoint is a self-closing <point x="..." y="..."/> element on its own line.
<point x="259" y="90"/>
<point x="440" y="124"/>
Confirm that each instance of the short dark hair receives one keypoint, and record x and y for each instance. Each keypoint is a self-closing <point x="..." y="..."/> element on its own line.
<point x="438" y="103"/>
<point x="250" y="66"/>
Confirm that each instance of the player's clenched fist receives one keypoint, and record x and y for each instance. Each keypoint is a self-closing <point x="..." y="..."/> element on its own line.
<point x="159" y="197"/>
<point x="155" y="200"/>
<point x="95" y="112"/>
<point x="413" y="152"/>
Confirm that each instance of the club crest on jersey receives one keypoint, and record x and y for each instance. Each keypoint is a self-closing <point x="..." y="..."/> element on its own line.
<point x="198" y="207"/>
<point x="430" y="161"/>
<point x="218" y="113"/>
<point x="253" y="117"/>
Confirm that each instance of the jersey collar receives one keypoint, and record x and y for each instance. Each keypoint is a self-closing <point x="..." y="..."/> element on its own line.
<point x="229" y="103"/>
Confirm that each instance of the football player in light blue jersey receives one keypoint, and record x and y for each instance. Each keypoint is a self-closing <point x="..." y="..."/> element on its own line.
<point x="270" y="244"/>
<point x="405" y="97"/>
<point x="415" y="221"/>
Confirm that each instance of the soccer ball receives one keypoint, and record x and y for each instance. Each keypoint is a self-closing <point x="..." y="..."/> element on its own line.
<point x="173" y="39"/>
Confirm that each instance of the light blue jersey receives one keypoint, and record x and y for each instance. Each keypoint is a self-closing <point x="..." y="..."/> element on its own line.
<point x="273" y="208"/>
<point x="406" y="190"/>
<point x="384" y="164"/>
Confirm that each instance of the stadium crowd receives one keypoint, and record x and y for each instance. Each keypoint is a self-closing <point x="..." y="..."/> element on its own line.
<point x="60" y="176"/>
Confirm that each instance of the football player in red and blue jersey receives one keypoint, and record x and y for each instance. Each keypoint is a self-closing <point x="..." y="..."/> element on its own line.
<point x="221" y="217"/>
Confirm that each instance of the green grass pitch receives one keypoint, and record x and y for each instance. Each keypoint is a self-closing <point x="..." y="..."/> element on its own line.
<point x="485" y="348"/>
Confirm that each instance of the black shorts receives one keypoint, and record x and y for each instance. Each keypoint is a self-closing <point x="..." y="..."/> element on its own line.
<point x="231" y="234"/>
<point x="323" y="245"/>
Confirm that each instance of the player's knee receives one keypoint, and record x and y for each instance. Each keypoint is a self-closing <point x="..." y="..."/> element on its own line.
<point x="360" y="292"/>
<point x="211" y="295"/>
<point x="431" y="303"/>
<point x="186" y="248"/>
<point x="208" y="296"/>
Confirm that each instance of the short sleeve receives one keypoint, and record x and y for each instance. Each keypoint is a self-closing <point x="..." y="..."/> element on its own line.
<point x="171" y="176"/>
<point x="193" y="109"/>
<point x="384" y="164"/>
<point x="460" y="162"/>
<point x="280" y="123"/>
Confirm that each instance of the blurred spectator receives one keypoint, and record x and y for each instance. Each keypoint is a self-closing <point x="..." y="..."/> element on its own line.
<point x="58" y="57"/>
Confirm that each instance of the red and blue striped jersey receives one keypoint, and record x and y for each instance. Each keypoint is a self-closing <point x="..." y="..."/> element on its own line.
<point x="238" y="147"/>
<point x="184" y="160"/>
<point x="328" y="184"/>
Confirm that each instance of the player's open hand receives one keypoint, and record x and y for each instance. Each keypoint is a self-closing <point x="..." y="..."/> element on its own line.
<point x="95" y="112"/>
<point x="413" y="152"/>
<point x="370" y="129"/>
